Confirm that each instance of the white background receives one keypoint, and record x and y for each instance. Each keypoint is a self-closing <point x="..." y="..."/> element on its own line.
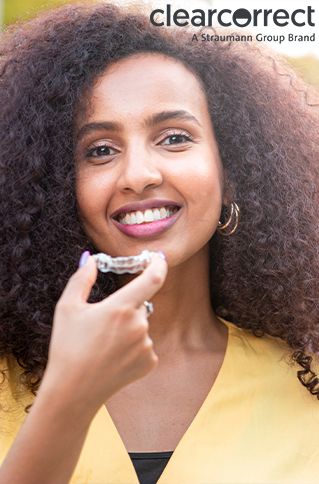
<point x="289" y="48"/>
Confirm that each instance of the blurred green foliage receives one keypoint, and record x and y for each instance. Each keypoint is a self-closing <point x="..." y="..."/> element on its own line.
<point x="21" y="9"/>
<point x="307" y="66"/>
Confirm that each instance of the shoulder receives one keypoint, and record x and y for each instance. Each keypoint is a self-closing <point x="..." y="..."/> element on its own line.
<point x="267" y="365"/>
<point x="13" y="394"/>
<point x="267" y="349"/>
<point x="14" y="398"/>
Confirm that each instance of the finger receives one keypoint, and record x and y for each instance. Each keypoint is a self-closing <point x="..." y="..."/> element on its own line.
<point x="145" y="286"/>
<point x="80" y="284"/>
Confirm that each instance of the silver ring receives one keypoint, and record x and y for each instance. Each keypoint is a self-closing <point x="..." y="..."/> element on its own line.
<point x="149" y="308"/>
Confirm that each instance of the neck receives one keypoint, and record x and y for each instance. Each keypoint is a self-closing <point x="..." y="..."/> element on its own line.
<point x="183" y="318"/>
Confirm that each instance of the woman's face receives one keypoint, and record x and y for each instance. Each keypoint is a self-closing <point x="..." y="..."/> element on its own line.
<point x="149" y="173"/>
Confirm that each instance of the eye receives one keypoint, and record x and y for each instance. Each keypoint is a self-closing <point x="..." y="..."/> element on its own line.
<point x="176" y="139"/>
<point x="100" y="151"/>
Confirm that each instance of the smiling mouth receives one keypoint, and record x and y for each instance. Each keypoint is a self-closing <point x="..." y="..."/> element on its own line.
<point x="148" y="216"/>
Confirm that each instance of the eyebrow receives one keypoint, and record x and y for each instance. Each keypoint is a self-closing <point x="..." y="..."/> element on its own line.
<point x="166" y="115"/>
<point x="102" y="126"/>
<point x="150" y="122"/>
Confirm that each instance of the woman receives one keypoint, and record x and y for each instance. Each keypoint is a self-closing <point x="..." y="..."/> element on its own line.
<point x="119" y="137"/>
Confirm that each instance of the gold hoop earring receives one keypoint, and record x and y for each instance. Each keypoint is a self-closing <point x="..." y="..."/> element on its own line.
<point x="221" y="227"/>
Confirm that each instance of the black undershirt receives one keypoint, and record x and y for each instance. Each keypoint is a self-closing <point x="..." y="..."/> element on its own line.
<point x="149" y="466"/>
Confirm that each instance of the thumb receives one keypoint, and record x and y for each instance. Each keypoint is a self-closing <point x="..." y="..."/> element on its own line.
<point x="80" y="284"/>
<point x="144" y="286"/>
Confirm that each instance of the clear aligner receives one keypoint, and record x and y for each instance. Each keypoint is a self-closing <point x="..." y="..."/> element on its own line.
<point x="121" y="265"/>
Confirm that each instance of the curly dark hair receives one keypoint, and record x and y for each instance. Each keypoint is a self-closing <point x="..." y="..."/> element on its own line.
<point x="265" y="276"/>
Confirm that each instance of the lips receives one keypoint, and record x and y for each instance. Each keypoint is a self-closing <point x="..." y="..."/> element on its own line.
<point x="146" y="219"/>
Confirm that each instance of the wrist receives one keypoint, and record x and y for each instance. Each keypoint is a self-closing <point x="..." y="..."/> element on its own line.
<point x="65" y="404"/>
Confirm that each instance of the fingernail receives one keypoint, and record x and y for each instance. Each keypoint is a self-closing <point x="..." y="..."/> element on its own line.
<point x="161" y="254"/>
<point x="84" y="258"/>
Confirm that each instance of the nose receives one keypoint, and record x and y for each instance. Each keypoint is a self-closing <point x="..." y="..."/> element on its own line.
<point x="138" y="172"/>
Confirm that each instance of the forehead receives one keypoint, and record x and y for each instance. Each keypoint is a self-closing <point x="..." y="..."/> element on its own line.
<point x="147" y="82"/>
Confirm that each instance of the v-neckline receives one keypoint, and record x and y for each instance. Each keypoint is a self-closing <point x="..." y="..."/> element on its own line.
<point x="225" y="368"/>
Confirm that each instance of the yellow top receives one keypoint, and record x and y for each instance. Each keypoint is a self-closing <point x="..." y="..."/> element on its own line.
<point x="258" y="424"/>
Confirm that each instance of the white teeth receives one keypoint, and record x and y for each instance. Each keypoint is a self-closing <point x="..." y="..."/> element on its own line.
<point x="163" y="213"/>
<point x="156" y="214"/>
<point x="139" y="217"/>
<point x="150" y="215"/>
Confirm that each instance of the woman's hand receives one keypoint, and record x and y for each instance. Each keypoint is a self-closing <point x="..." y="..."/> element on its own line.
<point x="96" y="349"/>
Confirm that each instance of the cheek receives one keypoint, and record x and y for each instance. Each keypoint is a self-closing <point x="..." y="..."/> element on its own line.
<point x="92" y="190"/>
<point x="203" y="183"/>
<point x="84" y="196"/>
<point x="205" y="200"/>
